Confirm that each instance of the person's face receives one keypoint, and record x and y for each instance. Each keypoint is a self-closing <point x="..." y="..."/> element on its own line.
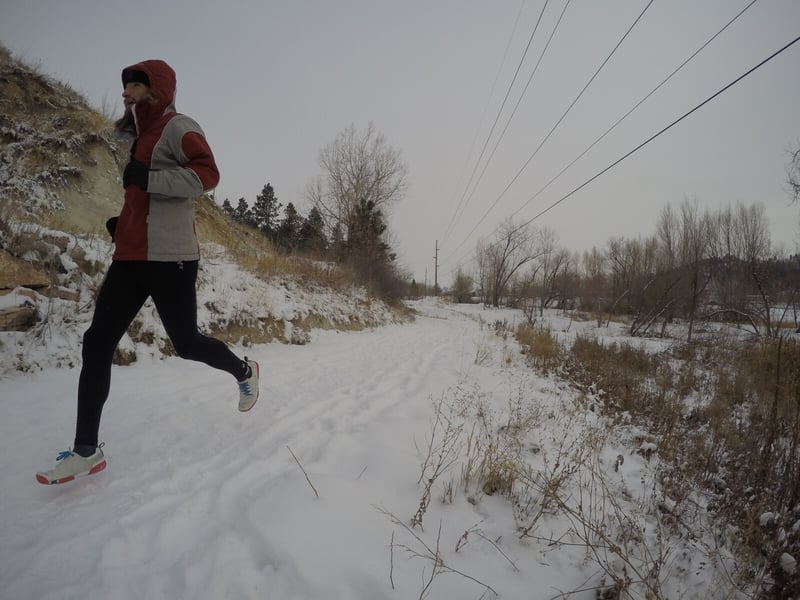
<point x="134" y="92"/>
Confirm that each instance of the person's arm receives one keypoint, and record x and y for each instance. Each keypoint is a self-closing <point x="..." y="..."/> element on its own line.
<point x="196" y="171"/>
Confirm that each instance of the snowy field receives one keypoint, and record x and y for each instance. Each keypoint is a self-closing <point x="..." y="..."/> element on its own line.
<point x="201" y="501"/>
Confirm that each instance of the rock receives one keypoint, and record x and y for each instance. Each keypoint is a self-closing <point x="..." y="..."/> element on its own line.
<point x="61" y="293"/>
<point x="15" y="272"/>
<point x="17" y="318"/>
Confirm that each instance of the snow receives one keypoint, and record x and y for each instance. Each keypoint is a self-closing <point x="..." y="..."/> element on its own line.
<point x="788" y="563"/>
<point x="201" y="501"/>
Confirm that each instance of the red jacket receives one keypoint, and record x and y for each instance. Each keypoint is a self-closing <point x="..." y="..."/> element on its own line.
<point x="158" y="225"/>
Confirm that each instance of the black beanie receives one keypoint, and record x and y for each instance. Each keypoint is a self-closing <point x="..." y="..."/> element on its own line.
<point x="131" y="76"/>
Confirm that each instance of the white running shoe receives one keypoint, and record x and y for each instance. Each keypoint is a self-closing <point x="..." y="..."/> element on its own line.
<point x="248" y="388"/>
<point x="70" y="465"/>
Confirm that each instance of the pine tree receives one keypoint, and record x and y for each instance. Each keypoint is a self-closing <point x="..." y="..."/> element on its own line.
<point x="289" y="230"/>
<point x="266" y="211"/>
<point x="227" y="207"/>
<point x="243" y="212"/>
<point x="311" y="237"/>
<point x="366" y="234"/>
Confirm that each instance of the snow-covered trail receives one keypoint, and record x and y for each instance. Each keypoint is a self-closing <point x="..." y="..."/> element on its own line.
<point x="200" y="501"/>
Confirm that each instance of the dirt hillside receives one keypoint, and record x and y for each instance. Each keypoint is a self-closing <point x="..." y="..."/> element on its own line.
<point x="59" y="163"/>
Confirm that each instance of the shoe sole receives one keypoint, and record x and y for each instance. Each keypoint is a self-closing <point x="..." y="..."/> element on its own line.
<point x="42" y="478"/>
<point x="258" y="373"/>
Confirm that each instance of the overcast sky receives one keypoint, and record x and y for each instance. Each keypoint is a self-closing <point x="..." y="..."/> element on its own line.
<point x="272" y="83"/>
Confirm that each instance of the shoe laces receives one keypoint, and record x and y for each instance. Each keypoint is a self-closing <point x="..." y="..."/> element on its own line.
<point x="244" y="386"/>
<point x="67" y="453"/>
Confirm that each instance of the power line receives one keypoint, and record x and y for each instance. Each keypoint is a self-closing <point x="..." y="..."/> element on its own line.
<point x="519" y="100"/>
<point x="497" y="118"/>
<point x="637" y="105"/>
<point x="654" y="136"/>
<point x="485" y="110"/>
<point x="547" y="137"/>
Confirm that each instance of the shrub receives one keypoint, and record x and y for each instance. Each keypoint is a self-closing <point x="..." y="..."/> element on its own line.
<point x="541" y="347"/>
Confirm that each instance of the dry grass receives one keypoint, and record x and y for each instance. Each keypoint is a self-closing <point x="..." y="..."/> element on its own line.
<point x="543" y="350"/>
<point x="254" y="252"/>
<point x="494" y="452"/>
<point x="739" y="442"/>
<point x="723" y="416"/>
<point x="59" y="150"/>
<point x="484" y="448"/>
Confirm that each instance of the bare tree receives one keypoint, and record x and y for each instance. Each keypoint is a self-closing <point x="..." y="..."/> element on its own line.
<point x="753" y="231"/>
<point x="566" y="282"/>
<point x="501" y="259"/>
<point x="740" y="248"/>
<point x="593" y="278"/>
<point x="637" y="277"/>
<point x="728" y="284"/>
<point x="462" y="287"/>
<point x="667" y="232"/>
<point x="361" y="174"/>
<point x="552" y="262"/>
<point x="626" y="270"/>
<point x="695" y="241"/>
<point x="793" y="174"/>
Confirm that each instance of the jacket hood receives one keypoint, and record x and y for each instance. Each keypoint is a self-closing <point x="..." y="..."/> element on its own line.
<point x="162" y="81"/>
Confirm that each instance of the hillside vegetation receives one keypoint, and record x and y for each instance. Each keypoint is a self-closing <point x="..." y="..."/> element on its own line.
<point x="60" y="166"/>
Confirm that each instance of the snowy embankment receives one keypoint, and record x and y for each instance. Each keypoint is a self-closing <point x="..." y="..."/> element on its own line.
<point x="227" y="298"/>
<point x="200" y="501"/>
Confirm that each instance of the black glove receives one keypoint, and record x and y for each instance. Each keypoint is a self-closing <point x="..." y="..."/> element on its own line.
<point x="136" y="173"/>
<point x="111" y="225"/>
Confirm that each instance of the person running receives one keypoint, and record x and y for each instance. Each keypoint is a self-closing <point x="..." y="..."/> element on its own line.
<point x="156" y="255"/>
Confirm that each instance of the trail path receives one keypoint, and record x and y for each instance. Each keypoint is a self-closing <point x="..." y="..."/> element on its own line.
<point x="199" y="501"/>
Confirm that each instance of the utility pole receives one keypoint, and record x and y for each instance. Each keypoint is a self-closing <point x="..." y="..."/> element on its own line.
<point x="436" y="270"/>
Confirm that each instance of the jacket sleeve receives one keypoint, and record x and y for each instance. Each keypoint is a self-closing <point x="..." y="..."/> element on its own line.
<point x="195" y="171"/>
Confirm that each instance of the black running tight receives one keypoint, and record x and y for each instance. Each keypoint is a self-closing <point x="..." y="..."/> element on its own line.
<point x="125" y="289"/>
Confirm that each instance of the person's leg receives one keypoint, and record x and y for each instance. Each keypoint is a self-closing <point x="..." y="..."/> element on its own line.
<point x="120" y="298"/>
<point x="174" y="293"/>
